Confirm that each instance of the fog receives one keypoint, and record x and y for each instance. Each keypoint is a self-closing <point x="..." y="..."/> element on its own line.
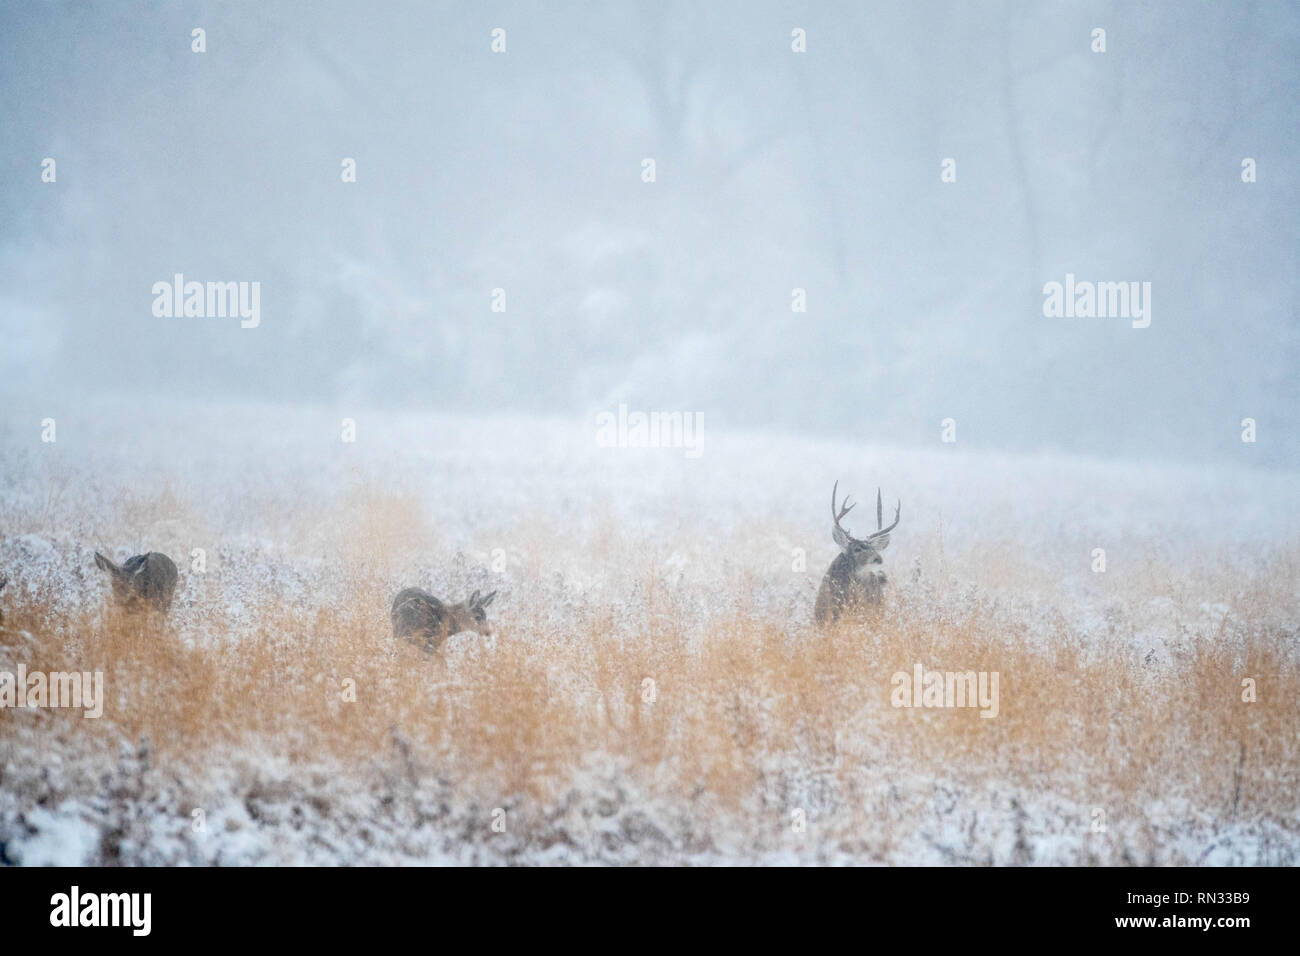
<point x="774" y="170"/>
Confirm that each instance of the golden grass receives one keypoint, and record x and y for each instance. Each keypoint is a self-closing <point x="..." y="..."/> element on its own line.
<point x="735" y="691"/>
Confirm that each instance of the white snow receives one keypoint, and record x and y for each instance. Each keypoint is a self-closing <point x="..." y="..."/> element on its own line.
<point x="245" y="481"/>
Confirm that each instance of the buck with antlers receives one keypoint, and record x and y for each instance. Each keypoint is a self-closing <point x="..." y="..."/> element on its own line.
<point x="856" y="578"/>
<point x="421" y="618"/>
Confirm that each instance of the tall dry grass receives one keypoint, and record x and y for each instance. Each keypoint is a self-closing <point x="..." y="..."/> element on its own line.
<point x="739" y="694"/>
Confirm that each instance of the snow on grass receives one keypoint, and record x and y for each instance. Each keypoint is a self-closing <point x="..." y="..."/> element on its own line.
<point x="1122" y="736"/>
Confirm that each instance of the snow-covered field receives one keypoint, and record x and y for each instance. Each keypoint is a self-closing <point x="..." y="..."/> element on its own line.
<point x="654" y="691"/>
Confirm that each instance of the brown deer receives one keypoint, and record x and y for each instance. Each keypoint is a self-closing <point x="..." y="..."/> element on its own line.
<point x="142" y="581"/>
<point x="421" y="618"/>
<point x="856" y="578"/>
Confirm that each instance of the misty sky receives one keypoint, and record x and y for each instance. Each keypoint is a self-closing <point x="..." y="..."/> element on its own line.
<point x="775" y="170"/>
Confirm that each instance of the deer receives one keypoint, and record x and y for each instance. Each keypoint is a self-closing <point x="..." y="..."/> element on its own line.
<point x="143" y="581"/>
<point x="855" y="581"/>
<point x="420" y="618"/>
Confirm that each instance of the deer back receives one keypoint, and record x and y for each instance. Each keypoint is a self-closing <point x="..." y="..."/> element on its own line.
<point x="417" y="614"/>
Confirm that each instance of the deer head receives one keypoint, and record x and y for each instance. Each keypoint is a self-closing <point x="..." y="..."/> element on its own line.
<point x="863" y="552"/>
<point x="143" y="580"/>
<point x="471" y="614"/>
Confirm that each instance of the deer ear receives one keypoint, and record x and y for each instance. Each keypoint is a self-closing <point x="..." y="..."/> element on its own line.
<point x="473" y="599"/>
<point x="841" y="538"/>
<point x="488" y="599"/>
<point x="103" y="563"/>
<point x="881" y="543"/>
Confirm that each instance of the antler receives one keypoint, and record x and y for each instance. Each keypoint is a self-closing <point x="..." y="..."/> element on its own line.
<point x="845" y="509"/>
<point x="880" y="515"/>
<point x="880" y="519"/>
